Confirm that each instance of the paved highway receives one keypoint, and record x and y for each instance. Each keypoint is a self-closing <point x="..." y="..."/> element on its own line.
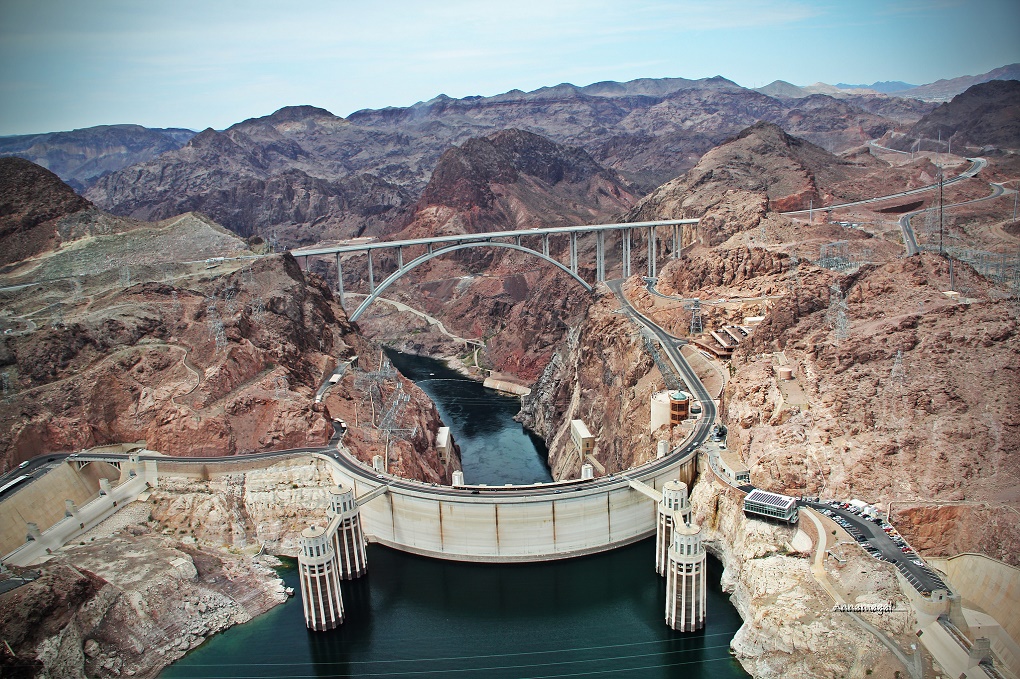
<point x="910" y="239"/>
<point x="977" y="164"/>
<point x="669" y="345"/>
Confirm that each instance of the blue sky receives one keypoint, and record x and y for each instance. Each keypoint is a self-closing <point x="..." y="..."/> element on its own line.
<point x="67" y="64"/>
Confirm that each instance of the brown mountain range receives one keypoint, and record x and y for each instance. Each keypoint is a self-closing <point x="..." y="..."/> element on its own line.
<point x="312" y="175"/>
<point x="987" y="114"/>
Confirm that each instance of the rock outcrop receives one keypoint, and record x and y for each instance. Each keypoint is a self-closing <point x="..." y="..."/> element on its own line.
<point x="984" y="115"/>
<point x="789" y="626"/>
<point x="736" y="183"/>
<point x="172" y="333"/>
<point x="80" y="157"/>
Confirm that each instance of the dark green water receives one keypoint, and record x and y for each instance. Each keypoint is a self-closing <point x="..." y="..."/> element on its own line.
<point x="599" y="616"/>
<point x="495" y="449"/>
<point x="596" y="616"/>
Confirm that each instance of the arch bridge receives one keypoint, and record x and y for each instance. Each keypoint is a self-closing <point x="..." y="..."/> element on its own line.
<point x="534" y="242"/>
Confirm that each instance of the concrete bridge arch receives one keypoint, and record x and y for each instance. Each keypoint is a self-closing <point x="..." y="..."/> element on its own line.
<point x="418" y="261"/>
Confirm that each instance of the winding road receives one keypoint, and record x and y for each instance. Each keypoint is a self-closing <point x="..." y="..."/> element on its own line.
<point x="977" y="164"/>
<point x="360" y="470"/>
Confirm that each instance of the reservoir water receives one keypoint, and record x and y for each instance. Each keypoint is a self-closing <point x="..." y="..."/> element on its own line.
<point x="495" y="449"/>
<point x="599" y="615"/>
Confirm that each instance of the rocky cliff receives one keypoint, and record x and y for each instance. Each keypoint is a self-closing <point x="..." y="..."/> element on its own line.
<point x="519" y="305"/>
<point x="605" y="375"/>
<point x="732" y="187"/>
<point x="789" y="626"/>
<point x="985" y="114"/>
<point x="175" y="334"/>
<point x="80" y="157"/>
<point x="254" y="187"/>
<point x="160" y="576"/>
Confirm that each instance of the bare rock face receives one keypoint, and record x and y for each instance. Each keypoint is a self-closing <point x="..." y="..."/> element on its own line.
<point x="985" y="114"/>
<point x="79" y="157"/>
<point x="734" y="184"/>
<point x="312" y="175"/>
<point x="31" y="201"/>
<point x="507" y="181"/>
<point x="175" y="334"/>
<point x="146" y="363"/>
<point x="129" y="604"/>
<point x="915" y="402"/>
<point x="252" y="188"/>
<point x="604" y="376"/>
<point x="789" y="626"/>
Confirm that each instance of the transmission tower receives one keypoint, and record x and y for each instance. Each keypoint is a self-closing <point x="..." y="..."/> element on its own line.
<point x="696" y="323"/>
<point x="214" y="324"/>
<point x="835" y="315"/>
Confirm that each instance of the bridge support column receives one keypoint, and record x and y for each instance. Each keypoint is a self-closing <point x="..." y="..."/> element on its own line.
<point x="400" y="258"/>
<point x="600" y="256"/>
<point x="371" y="274"/>
<point x="320" y="585"/>
<point x="348" y="538"/>
<point x="651" y="252"/>
<point x="626" y="253"/>
<point x="517" y="240"/>
<point x="340" y="282"/>
<point x="573" y="252"/>
<point x="673" y="503"/>
<point x="545" y="245"/>
<point x="685" y="578"/>
<point x="676" y="241"/>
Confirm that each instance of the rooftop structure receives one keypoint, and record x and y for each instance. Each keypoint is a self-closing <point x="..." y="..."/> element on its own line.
<point x="762" y="503"/>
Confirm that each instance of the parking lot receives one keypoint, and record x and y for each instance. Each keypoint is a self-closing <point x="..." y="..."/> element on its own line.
<point x="882" y="541"/>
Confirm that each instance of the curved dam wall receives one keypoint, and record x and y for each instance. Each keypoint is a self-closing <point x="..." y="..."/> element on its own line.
<point x="496" y="527"/>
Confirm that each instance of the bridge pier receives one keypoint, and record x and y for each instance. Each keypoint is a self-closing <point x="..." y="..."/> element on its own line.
<point x="371" y="274"/>
<point x="651" y="252"/>
<point x="600" y="256"/>
<point x="348" y="538"/>
<point x="626" y="253"/>
<point x="340" y="282"/>
<point x="573" y="253"/>
<point x="400" y="258"/>
<point x="676" y="241"/>
<point x="545" y="245"/>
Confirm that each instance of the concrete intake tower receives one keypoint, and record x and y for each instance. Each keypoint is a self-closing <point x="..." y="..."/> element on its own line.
<point x="348" y="536"/>
<point x="328" y="555"/>
<point x="685" y="578"/>
<point x="674" y="500"/>
<point x="320" y="583"/>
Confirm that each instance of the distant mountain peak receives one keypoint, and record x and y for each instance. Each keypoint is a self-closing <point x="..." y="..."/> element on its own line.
<point x="300" y="113"/>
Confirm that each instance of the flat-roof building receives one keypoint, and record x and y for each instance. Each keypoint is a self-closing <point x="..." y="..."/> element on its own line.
<point x="761" y="503"/>
<point x="732" y="466"/>
<point x="582" y="438"/>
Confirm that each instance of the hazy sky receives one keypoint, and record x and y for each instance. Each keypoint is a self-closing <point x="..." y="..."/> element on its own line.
<point x="68" y="64"/>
